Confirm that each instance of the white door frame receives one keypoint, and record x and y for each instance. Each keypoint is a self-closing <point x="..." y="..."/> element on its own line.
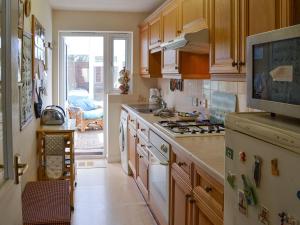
<point x="107" y="63"/>
<point x="10" y="193"/>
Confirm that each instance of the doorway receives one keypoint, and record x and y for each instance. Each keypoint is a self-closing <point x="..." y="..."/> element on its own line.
<point x="89" y="66"/>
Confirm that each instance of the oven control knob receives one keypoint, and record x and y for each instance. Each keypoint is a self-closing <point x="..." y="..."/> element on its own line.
<point x="164" y="148"/>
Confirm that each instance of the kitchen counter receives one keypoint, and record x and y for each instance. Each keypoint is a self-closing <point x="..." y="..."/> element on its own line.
<point x="207" y="152"/>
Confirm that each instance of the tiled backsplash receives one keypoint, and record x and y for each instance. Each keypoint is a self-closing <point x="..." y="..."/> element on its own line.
<point x="202" y="89"/>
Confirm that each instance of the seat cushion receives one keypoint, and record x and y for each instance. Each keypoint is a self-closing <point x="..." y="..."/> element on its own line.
<point x="46" y="202"/>
<point x="85" y="104"/>
<point x="95" y="114"/>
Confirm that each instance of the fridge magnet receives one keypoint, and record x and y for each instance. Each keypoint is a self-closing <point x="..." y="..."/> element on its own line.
<point x="274" y="165"/>
<point x="229" y="153"/>
<point x="298" y="195"/>
<point x="257" y="170"/>
<point x="242" y="156"/>
<point x="263" y="215"/>
<point x="243" y="206"/>
<point x="231" y="179"/>
<point x="283" y="218"/>
<point x="249" y="191"/>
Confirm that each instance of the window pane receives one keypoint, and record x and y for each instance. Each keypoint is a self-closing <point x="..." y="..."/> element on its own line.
<point x="85" y="67"/>
<point x="119" y="60"/>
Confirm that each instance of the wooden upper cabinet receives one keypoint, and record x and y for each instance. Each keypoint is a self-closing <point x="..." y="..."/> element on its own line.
<point x="144" y="50"/>
<point x="150" y="64"/>
<point x="170" y="30"/>
<point x="255" y="16"/>
<point x="155" y="32"/>
<point x="193" y="15"/>
<point x="223" y="36"/>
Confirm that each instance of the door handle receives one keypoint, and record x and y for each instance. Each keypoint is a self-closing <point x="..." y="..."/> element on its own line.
<point x="20" y="169"/>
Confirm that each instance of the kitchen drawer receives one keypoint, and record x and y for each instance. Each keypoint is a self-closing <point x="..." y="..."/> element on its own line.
<point x="143" y="147"/>
<point x="182" y="164"/>
<point x="209" y="192"/>
<point x="132" y="120"/>
<point x="143" y="130"/>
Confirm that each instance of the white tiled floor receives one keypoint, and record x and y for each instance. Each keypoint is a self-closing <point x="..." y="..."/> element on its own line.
<point x="106" y="196"/>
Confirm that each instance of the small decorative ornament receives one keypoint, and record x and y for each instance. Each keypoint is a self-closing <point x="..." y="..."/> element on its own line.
<point x="27" y="8"/>
<point x="263" y="215"/>
<point x="249" y="192"/>
<point x="231" y="179"/>
<point x="257" y="170"/>
<point x="243" y="206"/>
<point x="124" y="80"/>
<point x="298" y="195"/>
<point x="275" y="171"/>
<point x="229" y="153"/>
<point x="242" y="156"/>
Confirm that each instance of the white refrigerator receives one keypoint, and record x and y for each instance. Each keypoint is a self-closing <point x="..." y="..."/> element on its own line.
<point x="262" y="170"/>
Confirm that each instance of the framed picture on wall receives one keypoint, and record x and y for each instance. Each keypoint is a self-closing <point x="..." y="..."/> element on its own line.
<point x="20" y="15"/>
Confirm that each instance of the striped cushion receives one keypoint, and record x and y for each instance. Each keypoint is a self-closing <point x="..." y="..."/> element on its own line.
<point x="46" y="202"/>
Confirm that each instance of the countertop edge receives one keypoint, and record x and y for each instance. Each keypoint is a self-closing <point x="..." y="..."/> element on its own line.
<point x="211" y="171"/>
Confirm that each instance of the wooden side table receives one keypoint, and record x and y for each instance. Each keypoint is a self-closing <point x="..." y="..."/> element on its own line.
<point x="69" y="171"/>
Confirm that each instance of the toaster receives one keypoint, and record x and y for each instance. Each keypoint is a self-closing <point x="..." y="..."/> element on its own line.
<point x="53" y="115"/>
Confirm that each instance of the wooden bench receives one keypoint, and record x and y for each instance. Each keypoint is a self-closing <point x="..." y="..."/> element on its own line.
<point x="47" y="202"/>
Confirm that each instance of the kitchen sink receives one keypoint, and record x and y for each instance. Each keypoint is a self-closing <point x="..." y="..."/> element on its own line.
<point x="145" y="108"/>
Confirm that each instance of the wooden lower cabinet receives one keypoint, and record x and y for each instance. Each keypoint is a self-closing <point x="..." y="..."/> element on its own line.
<point x="181" y="204"/>
<point x="142" y="171"/>
<point x="196" y="199"/>
<point x="132" y="149"/>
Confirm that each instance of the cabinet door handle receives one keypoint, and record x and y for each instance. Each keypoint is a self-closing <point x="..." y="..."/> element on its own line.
<point x="141" y="156"/>
<point x="143" y="130"/>
<point x="234" y="64"/>
<point x="176" y="67"/>
<point x="187" y="196"/>
<point x="208" y="189"/>
<point x="242" y="63"/>
<point x="181" y="164"/>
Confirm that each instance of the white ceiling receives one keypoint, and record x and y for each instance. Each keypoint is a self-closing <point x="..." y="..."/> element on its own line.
<point x="107" y="5"/>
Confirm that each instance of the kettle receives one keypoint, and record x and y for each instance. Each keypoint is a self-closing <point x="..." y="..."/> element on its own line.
<point x="154" y="96"/>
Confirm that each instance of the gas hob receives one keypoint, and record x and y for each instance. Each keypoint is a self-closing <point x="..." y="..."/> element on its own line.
<point x="191" y="128"/>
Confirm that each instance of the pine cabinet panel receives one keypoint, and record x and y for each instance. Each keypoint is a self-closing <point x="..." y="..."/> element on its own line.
<point x="155" y="33"/>
<point x="144" y="50"/>
<point x="223" y="36"/>
<point x="181" y="205"/>
<point x="132" y="149"/>
<point x="193" y="15"/>
<point x="170" y="28"/>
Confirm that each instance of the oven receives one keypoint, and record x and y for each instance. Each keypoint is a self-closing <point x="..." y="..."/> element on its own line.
<point x="159" y="178"/>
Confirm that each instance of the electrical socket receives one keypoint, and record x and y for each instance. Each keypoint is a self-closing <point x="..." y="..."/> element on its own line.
<point x="195" y="101"/>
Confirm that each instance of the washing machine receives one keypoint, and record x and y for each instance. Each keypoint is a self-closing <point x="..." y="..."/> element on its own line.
<point x="123" y="142"/>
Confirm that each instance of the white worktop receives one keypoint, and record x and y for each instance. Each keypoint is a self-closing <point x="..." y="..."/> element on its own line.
<point x="206" y="151"/>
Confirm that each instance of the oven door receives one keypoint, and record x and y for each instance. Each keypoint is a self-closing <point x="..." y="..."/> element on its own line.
<point x="159" y="186"/>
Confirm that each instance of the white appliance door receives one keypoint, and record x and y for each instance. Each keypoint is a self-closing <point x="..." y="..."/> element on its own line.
<point x="123" y="145"/>
<point x="159" y="186"/>
<point x="279" y="188"/>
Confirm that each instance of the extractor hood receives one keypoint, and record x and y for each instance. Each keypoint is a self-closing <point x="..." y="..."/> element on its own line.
<point x="196" y="42"/>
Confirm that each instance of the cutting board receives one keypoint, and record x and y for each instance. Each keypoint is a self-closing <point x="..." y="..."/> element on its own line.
<point x="221" y="104"/>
